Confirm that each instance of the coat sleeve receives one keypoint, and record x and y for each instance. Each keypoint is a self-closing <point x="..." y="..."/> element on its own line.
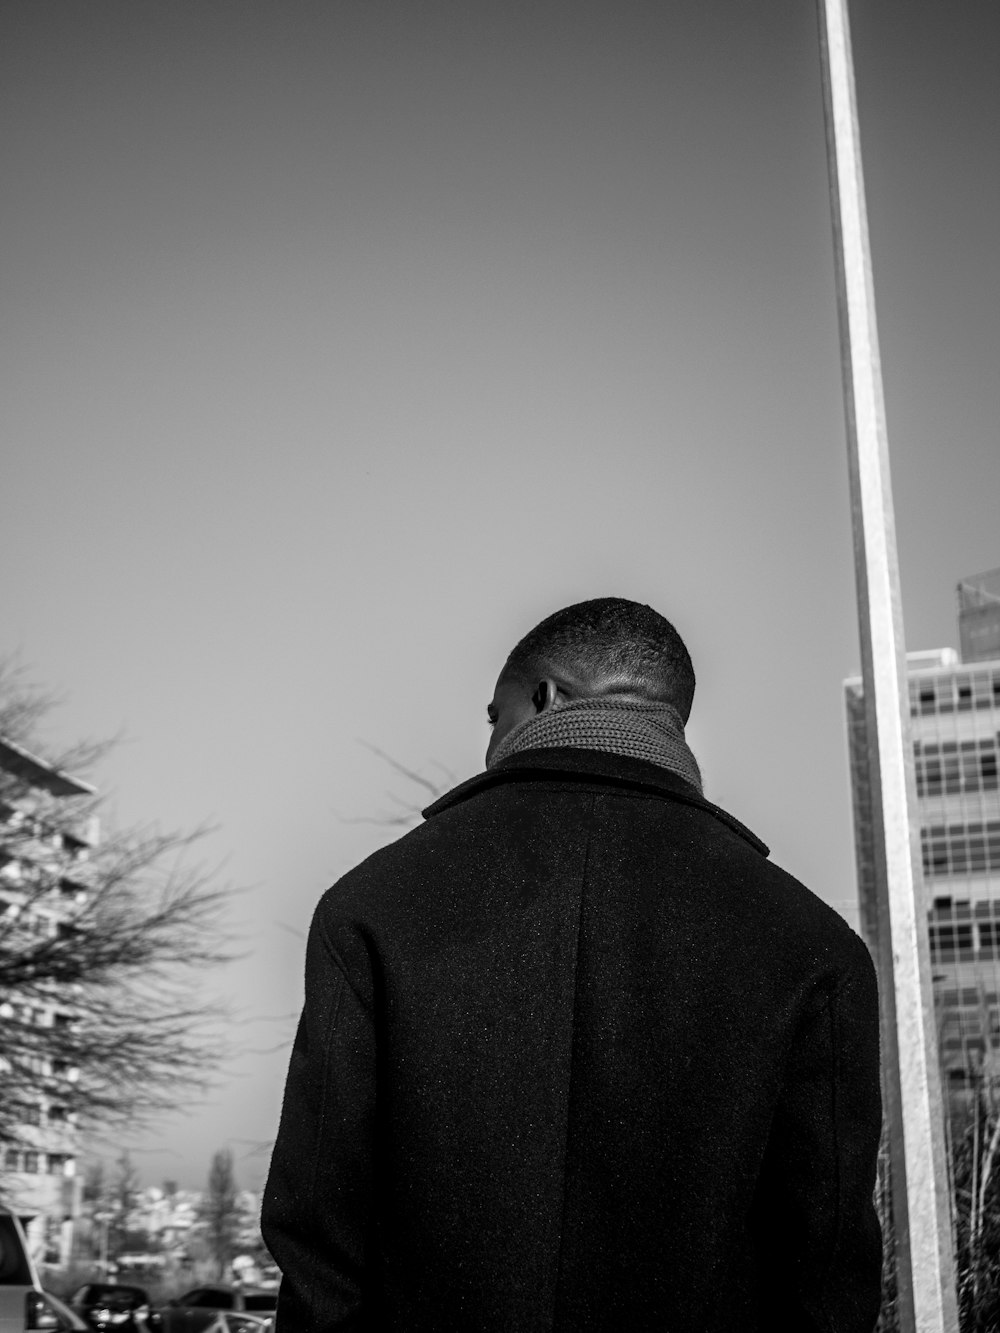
<point x="317" y="1211"/>
<point x="818" y="1233"/>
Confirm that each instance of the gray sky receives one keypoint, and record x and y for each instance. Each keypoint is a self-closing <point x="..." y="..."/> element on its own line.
<point x="341" y="342"/>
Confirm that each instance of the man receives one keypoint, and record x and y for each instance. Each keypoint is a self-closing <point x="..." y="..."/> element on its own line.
<point x="574" y="1055"/>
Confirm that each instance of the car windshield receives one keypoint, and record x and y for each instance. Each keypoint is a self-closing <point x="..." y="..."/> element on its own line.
<point x="209" y="1298"/>
<point x="267" y="1301"/>
<point x="14" y="1268"/>
<point x="117" y="1298"/>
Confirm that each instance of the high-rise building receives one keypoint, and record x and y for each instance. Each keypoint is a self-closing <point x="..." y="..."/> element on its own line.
<point x="41" y="882"/>
<point x="979" y="617"/>
<point x="955" y="725"/>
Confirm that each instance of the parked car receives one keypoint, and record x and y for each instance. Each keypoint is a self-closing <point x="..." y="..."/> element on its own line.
<point x="220" y="1309"/>
<point x="24" y="1306"/>
<point x="110" y="1305"/>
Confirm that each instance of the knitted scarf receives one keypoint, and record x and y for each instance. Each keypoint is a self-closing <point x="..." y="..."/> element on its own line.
<point x="649" y="731"/>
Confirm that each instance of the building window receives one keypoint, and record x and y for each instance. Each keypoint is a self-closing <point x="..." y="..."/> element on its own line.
<point x="951" y="943"/>
<point x="12" y="1160"/>
<point x="951" y="768"/>
<point x="961" y="849"/>
<point x="949" y="694"/>
<point x="31" y="1163"/>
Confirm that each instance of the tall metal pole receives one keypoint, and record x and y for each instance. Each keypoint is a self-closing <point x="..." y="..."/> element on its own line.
<point x="926" y="1275"/>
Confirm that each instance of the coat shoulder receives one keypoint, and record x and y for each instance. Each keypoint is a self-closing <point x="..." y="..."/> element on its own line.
<point x="818" y="927"/>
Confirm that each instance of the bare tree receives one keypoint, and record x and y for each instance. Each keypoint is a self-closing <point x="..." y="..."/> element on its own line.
<point x="94" y="1184"/>
<point x="101" y="1022"/>
<point x="119" y="1202"/>
<point x="220" y="1211"/>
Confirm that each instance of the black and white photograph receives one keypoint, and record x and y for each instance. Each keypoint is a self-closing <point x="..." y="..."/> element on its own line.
<point x="500" y="666"/>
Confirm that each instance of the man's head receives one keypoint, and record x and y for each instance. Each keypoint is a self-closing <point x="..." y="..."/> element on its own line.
<point x="608" y="646"/>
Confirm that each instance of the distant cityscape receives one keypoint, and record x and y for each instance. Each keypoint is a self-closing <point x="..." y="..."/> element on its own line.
<point x="164" y="1230"/>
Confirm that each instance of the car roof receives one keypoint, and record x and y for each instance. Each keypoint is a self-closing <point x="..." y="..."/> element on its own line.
<point x="115" y="1287"/>
<point x="246" y="1288"/>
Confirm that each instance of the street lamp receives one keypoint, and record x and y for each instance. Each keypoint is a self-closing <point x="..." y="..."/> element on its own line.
<point x="921" y="1214"/>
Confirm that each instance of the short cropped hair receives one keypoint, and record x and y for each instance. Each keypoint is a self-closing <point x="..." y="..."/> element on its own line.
<point x="610" y="644"/>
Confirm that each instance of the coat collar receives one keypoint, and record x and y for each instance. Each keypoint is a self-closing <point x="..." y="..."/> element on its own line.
<point x="589" y="766"/>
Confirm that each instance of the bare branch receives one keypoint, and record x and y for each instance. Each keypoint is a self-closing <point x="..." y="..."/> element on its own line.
<point x="101" y="947"/>
<point x="405" y="772"/>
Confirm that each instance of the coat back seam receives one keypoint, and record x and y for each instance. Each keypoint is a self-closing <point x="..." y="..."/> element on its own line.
<point x="572" y="1062"/>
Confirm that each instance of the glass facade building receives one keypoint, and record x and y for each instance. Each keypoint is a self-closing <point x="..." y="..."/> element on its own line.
<point x="955" y="731"/>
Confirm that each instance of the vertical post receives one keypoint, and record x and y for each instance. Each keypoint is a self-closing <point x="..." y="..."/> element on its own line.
<point x="926" y="1277"/>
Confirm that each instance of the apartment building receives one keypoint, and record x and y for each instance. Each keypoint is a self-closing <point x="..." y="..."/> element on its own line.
<point x="43" y="849"/>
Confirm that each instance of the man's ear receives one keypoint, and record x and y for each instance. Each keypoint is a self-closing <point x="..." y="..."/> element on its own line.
<point x="544" y="695"/>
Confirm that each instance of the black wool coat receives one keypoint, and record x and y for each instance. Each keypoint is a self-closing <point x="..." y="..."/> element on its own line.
<point x="576" y="1056"/>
